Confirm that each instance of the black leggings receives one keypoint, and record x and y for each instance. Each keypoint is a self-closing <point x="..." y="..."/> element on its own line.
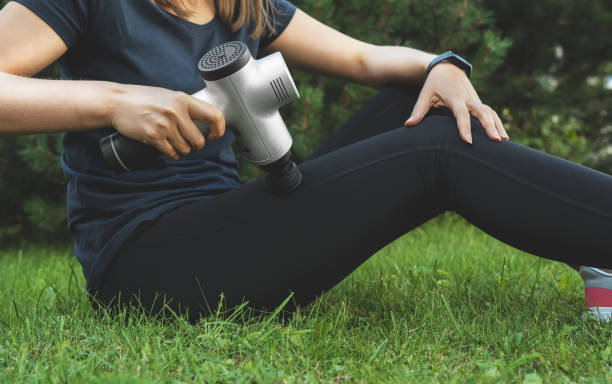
<point x="367" y="185"/>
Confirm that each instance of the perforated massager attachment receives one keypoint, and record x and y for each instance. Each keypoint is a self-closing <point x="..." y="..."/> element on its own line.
<point x="224" y="60"/>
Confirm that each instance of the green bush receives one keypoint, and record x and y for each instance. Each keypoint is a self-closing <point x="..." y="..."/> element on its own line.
<point x="551" y="86"/>
<point x="539" y="64"/>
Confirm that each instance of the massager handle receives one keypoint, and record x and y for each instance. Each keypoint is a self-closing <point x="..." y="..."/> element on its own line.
<point x="134" y="154"/>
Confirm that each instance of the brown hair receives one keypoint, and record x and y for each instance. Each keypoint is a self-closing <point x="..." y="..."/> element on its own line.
<point x="256" y="11"/>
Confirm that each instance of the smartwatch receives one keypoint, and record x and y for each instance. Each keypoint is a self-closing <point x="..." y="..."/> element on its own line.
<point x="453" y="58"/>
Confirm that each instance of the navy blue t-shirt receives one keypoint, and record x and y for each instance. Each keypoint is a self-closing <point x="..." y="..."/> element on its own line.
<point x="136" y="42"/>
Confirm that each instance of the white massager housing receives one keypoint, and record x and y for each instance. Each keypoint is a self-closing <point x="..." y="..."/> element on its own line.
<point x="249" y="92"/>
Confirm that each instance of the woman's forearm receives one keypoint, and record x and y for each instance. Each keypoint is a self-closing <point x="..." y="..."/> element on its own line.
<point x="394" y="64"/>
<point x="160" y="117"/>
<point x="30" y="105"/>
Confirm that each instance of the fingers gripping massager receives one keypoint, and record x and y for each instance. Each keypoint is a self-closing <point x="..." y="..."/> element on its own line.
<point x="249" y="93"/>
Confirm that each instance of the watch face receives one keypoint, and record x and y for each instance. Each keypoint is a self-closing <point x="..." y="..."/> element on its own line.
<point x="461" y="63"/>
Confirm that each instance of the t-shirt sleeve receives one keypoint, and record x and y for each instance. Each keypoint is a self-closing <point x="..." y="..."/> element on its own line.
<point x="282" y="14"/>
<point x="68" y="18"/>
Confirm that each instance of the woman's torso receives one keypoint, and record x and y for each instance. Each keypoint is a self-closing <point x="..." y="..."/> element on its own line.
<point x="135" y="42"/>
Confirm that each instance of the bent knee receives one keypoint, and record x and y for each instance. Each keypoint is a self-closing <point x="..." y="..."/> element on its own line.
<point x="436" y="130"/>
<point x="440" y="129"/>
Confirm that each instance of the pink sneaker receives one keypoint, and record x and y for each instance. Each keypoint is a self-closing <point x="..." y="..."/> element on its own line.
<point x="597" y="292"/>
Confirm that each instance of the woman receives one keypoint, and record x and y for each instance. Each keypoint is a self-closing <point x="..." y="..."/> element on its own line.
<point x="191" y="233"/>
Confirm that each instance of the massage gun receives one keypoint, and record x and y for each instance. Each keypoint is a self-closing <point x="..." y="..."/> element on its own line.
<point x="249" y="92"/>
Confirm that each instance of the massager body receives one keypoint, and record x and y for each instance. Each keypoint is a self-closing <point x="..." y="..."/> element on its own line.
<point x="249" y="92"/>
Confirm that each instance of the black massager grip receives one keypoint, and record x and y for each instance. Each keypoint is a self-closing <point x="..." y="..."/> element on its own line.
<point x="123" y="154"/>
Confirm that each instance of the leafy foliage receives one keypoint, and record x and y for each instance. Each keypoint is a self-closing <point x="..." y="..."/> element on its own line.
<point x="542" y="65"/>
<point x="552" y="84"/>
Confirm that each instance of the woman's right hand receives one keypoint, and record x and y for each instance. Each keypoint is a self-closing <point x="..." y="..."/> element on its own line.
<point x="164" y="118"/>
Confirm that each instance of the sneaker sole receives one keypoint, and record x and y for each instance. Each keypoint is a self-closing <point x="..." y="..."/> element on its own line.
<point x="600" y="313"/>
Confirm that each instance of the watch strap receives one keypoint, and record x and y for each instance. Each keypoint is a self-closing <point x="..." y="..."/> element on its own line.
<point x="452" y="58"/>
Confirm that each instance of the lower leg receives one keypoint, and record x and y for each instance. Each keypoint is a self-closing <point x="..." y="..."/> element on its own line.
<point x="385" y="110"/>
<point x="533" y="201"/>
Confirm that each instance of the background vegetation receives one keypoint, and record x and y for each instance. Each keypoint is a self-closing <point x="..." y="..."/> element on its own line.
<point x="542" y="65"/>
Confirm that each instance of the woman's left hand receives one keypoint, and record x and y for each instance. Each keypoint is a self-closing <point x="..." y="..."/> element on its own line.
<point x="447" y="85"/>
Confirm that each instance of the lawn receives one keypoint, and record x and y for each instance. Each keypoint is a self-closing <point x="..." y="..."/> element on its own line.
<point x="445" y="303"/>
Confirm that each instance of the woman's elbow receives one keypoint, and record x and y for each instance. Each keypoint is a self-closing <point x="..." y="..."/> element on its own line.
<point x="365" y="67"/>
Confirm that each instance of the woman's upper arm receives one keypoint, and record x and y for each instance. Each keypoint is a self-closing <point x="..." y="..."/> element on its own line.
<point x="309" y="44"/>
<point x="29" y="44"/>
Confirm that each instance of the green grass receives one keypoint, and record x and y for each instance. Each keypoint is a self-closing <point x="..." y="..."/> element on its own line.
<point x="445" y="303"/>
